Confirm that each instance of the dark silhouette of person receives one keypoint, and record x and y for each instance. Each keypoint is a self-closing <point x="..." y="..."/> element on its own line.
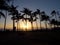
<point x="14" y="29"/>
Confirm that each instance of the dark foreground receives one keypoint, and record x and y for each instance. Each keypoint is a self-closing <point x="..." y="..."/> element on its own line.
<point x="45" y="37"/>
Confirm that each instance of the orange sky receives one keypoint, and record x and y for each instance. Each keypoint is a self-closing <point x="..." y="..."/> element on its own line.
<point x="22" y="25"/>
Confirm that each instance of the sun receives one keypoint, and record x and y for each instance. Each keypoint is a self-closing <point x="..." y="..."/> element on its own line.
<point x="25" y="26"/>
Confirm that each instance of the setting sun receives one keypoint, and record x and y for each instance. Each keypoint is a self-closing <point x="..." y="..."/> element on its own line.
<point x="25" y="25"/>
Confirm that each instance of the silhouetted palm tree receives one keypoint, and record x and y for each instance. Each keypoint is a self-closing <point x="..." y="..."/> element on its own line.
<point x="38" y="12"/>
<point x="58" y="13"/>
<point x="2" y="14"/>
<point x="53" y="13"/>
<point x="26" y="11"/>
<point x="58" y="23"/>
<point x="54" y="22"/>
<point x="5" y="21"/>
<point x="32" y="19"/>
<point x="4" y="6"/>
<point x="18" y="17"/>
<point x="35" y="16"/>
<point x="13" y="12"/>
<point x="44" y="17"/>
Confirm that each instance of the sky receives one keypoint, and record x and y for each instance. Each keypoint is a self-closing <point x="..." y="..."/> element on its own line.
<point x="43" y="5"/>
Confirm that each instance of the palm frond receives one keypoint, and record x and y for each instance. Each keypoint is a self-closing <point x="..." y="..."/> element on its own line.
<point x="38" y="11"/>
<point x="2" y="14"/>
<point x="53" y="12"/>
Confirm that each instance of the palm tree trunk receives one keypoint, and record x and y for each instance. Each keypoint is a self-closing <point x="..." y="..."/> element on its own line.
<point x="14" y="28"/>
<point x="46" y="25"/>
<point x="17" y="25"/>
<point x="36" y="25"/>
<point x="31" y="22"/>
<point x="31" y="25"/>
<point x="54" y="25"/>
<point x="5" y="24"/>
<point x="5" y="21"/>
<point x="50" y="26"/>
<point x="56" y="19"/>
<point x="40" y="22"/>
<point x="26" y="23"/>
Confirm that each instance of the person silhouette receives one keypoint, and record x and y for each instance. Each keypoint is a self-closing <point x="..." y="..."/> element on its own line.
<point x="14" y="29"/>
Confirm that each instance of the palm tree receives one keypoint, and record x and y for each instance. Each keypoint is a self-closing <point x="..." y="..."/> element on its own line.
<point x="4" y="6"/>
<point x="18" y="17"/>
<point x="13" y="12"/>
<point x="58" y="23"/>
<point x="44" y="17"/>
<point x="2" y="14"/>
<point x="26" y="12"/>
<point x="35" y="16"/>
<point x="5" y="21"/>
<point x="53" y="13"/>
<point x="38" y="12"/>
<point x="32" y="19"/>
<point x="53" y="21"/>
